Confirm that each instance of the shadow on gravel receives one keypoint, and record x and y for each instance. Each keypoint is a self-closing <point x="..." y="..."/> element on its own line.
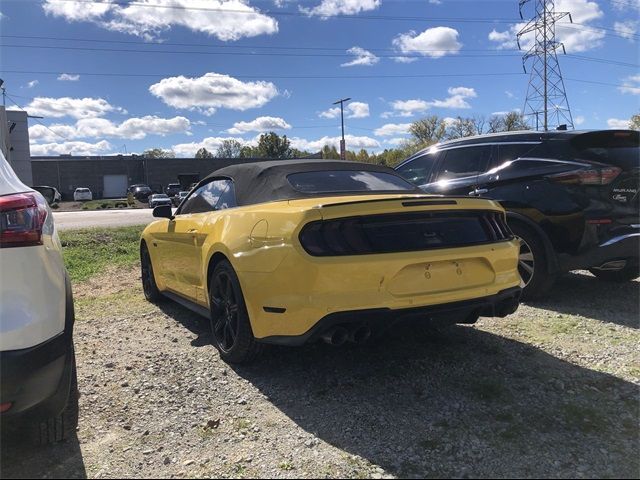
<point x="583" y="294"/>
<point x="189" y="320"/>
<point x="464" y="403"/>
<point x="20" y="459"/>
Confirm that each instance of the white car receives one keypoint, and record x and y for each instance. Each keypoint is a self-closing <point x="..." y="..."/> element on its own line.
<point x="158" y="199"/>
<point x="81" y="194"/>
<point x="38" y="387"/>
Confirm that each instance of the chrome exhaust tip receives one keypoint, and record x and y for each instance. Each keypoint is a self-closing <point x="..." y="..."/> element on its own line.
<point x="336" y="336"/>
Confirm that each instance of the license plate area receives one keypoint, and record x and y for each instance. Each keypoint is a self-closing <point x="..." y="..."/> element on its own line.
<point x="441" y="276"/>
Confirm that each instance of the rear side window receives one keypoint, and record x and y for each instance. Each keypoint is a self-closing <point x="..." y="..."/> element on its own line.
<point x="621" y="149"/>
<point x="215" y="195"/>
<point x="340" y="181"/>
<point x="463" y="162"/>
<point x="418" y="170"/>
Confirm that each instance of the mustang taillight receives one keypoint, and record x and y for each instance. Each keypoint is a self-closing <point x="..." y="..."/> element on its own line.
<point x="22" y="217"/>
<point x="591" y="176"/>
<point x="406" y="232"/>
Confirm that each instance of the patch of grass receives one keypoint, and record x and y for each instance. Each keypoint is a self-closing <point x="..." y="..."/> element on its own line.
<point x="286" y="465"/>
<point x="89" y="251"/>
<point x="241" y="424"/>
<point x="105" y="204"/>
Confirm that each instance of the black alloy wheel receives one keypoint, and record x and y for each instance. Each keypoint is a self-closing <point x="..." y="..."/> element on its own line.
<point x="230" y="324"/>
<point x="149" y="287"/>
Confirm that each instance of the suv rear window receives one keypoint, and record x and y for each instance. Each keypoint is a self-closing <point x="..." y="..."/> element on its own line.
<point x="340" y="181"/>
<point x="621" y="149"/>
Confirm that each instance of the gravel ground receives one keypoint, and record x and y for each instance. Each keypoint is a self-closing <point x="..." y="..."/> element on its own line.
<point x="551" y="391"/>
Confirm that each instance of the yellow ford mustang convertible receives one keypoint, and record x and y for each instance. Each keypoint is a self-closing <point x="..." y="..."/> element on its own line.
<point x="289" y="252"/>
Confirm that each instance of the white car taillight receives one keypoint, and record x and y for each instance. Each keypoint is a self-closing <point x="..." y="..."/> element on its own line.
<point x="22" y="217"/>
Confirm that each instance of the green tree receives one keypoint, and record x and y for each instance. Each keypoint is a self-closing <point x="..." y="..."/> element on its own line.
<point x="204" y="153"/>
<point x="158" y="153"/>
<point x="271" y="145"/>
<point x="461" y="127"/>
<point x="429" y="130"/>
<point x="229" y="148"/>
<point x="330" y="152"/>
<point x="508" y="122"/>
<point x="634" y="123"/>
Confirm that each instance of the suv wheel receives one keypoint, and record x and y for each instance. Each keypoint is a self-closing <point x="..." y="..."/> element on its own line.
<point x="629" y="272"/>
<point x="230" y="325"/>
<point x="532" y="263"/>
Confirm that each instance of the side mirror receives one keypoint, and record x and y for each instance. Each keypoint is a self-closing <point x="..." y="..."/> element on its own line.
<point x="163" y="211"/>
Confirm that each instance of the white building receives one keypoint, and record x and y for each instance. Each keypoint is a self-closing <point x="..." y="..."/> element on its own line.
<point x="14" y="142"/>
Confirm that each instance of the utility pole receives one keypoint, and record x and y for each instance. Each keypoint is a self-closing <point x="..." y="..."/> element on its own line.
<point x="4" y="93"/>
<point x="546" y="98"/>
<point x="343" y="149"/>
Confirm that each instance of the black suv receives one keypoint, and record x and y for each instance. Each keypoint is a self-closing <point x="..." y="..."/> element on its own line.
<point x="571" y="197"/>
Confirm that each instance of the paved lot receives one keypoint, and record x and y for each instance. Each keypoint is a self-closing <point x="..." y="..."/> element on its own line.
<point x="102" y="218"/>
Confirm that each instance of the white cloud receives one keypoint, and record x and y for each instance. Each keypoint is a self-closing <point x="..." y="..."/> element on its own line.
<point x="32" y="83"/>
<point x="70" y="107"/>
<point x="579" y="120"/>
<point x="212" y="91"/>
<point x="576" y="38"/>
<point x="392" y="129"/>
<point x="352" y="110"/>
<point x="433" y="42"/>
<point x="509" y="94"/>
<point x="227" y="20"/>
<point x="627" y="29"/>
<point x="631" y="85"/>
<point x="73" y="148"/>
<point x="358" y="110"/>
<point x="396" y="141"/>
<point x="457" y="99"/>
<point x="66" y="77"/>
<point x="330" y="8"/>
<point x="260" y="124"/>
<point x="132" y="128"/>
<point x="352" y="142"/>
<point x="210" y="143"/>
<point x="618" y="124"/>
<point x="626" y="4"/>
<point x="404" y="59"/>
<point x="363" y="57"/>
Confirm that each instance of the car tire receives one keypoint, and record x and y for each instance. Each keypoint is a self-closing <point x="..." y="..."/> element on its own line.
<point x="63" y="426"/>
<point x="149" y="286"/>
<point x="230" y="325"/>
<point x="629" y="272"/>
<point x="533" y="263"/>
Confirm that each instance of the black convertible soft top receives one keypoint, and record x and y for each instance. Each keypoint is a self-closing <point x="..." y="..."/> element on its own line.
<point x="260" y="182"/>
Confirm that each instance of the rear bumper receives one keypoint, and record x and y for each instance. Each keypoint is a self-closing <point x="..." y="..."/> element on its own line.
<point x="625" y="246"/>
<point x="37" y="380"/>
<point x="501" y="304"/>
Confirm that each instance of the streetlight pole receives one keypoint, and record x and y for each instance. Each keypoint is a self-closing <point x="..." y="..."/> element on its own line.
<point x="343" y="149"/>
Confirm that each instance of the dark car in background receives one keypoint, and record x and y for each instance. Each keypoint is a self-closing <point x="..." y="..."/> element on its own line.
<point x="571" y="196"/>
<point x="172" y="189"/>
<point x="141" y="192"/>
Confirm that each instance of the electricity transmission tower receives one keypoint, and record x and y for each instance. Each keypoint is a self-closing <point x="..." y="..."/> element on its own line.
<point x="546" y="103"/>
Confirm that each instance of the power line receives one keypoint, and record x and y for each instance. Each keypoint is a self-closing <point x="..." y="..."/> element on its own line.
<point x="281" y="13"/>
<point x="257" y="47"/>
<point x="193" y="52"/>
<point x="273" y="77"/>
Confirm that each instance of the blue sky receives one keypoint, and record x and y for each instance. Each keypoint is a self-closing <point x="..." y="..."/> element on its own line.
<point x="235" y="68"/>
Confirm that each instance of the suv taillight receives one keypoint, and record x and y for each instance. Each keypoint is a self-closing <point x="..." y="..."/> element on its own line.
<point x="590" y="176"/>
<point x="22" y="217"/>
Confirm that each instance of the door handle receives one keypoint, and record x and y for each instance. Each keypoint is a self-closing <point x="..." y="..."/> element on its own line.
<point x="479" y="191"/>
<point x="192" y="230"/>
